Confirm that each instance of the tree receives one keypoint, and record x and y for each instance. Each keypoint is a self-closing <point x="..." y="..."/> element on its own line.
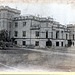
<point x="4" y="36"/>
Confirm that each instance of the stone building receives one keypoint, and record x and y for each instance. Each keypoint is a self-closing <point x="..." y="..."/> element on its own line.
<point x="6" y="16"/>
<point x="33" y="30"/>
<point x="71" y="27"/>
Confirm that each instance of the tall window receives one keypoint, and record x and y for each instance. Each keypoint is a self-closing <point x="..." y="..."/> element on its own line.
<point x="24" y="24"/>
<point x="61" y="43"/>
<point x="37" y="33"/>
<point x="57" y="43"/>
<point x="66" y="36"/>
<point x="46" y="34"/>
<point x="16" y="24"/>
<point x="62" y="34"/>
<point x="57" y="34"/>
<point x="23" y="42"/>
<point x="73" y="36"/>
<point x="24" y="33"/>
<point x="36" y="43"/>
<point x="15" y="33"/>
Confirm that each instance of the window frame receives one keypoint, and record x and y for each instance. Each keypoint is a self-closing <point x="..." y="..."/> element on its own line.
<point x="24" y="34"/>
<point x="24" y="24"/>
<point x="73" y="36"/>
<point x="24" y="43"/>
<point x="57" y="34"/>
<point x="36" y="43"/>
<point x="15" y="34"/>
<point x="37" y="33"/>
<point x="16" y="24"/>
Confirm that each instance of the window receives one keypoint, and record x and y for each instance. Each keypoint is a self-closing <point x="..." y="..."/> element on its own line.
<point x="36" y="43"/>
<point x="16" y="33"/>
<point x="62" y="34"/>
<point x="46" y="34"/>
<point x="24" y="43"/>
<point x="73" y="36"/>
<point x="66" y="36"/>
<point x="61" y="43"/>
<point x="57" y="43"/>
<point x="37" y="33"/>
<point x="9" y="24"/>
<point x="24" y="24"/>
<point x="24" y="33"/>
<point x="15" y="42"/>
<point x="16" y="24"/>
<point x="57" y="34"/>
<point x="51" y="34"/>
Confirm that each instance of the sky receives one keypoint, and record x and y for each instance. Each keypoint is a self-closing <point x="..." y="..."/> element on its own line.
<point x="61" y="12"/>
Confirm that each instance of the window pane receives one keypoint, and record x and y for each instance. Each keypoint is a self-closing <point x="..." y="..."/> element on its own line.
<point x="37" y="33"/>
<point x="46" y="34"/>
<point x="24" y="33"/>
<point x="36" y="43"/>
<point x="57" y="34"/>
<point x="24" y="42"/>
<point x="73" y="36"/>
<point x="16" y="33"/>
<point x="66" y="36"/>
<point x="24" y="24"/>
<point x="16" y="24"/>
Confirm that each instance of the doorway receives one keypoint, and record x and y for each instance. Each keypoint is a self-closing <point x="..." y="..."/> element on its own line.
<point x="48" y="43"/>
<point x="62" y="44"/>
<point x="57" y="43"/>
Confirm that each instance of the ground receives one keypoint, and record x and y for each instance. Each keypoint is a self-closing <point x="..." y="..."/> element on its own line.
<point x="47" y="60"/>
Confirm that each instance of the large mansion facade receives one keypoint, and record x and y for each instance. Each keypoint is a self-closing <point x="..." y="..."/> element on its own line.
<point x="35" y="30"/>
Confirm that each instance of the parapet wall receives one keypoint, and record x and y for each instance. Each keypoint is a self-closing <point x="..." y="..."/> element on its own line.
<point x="10" y="9"/>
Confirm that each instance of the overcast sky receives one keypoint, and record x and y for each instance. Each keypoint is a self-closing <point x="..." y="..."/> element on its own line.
<point x="63" y="13"/>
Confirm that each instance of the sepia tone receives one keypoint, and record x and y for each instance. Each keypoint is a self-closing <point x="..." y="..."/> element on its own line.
<point x="31" y="43"/>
